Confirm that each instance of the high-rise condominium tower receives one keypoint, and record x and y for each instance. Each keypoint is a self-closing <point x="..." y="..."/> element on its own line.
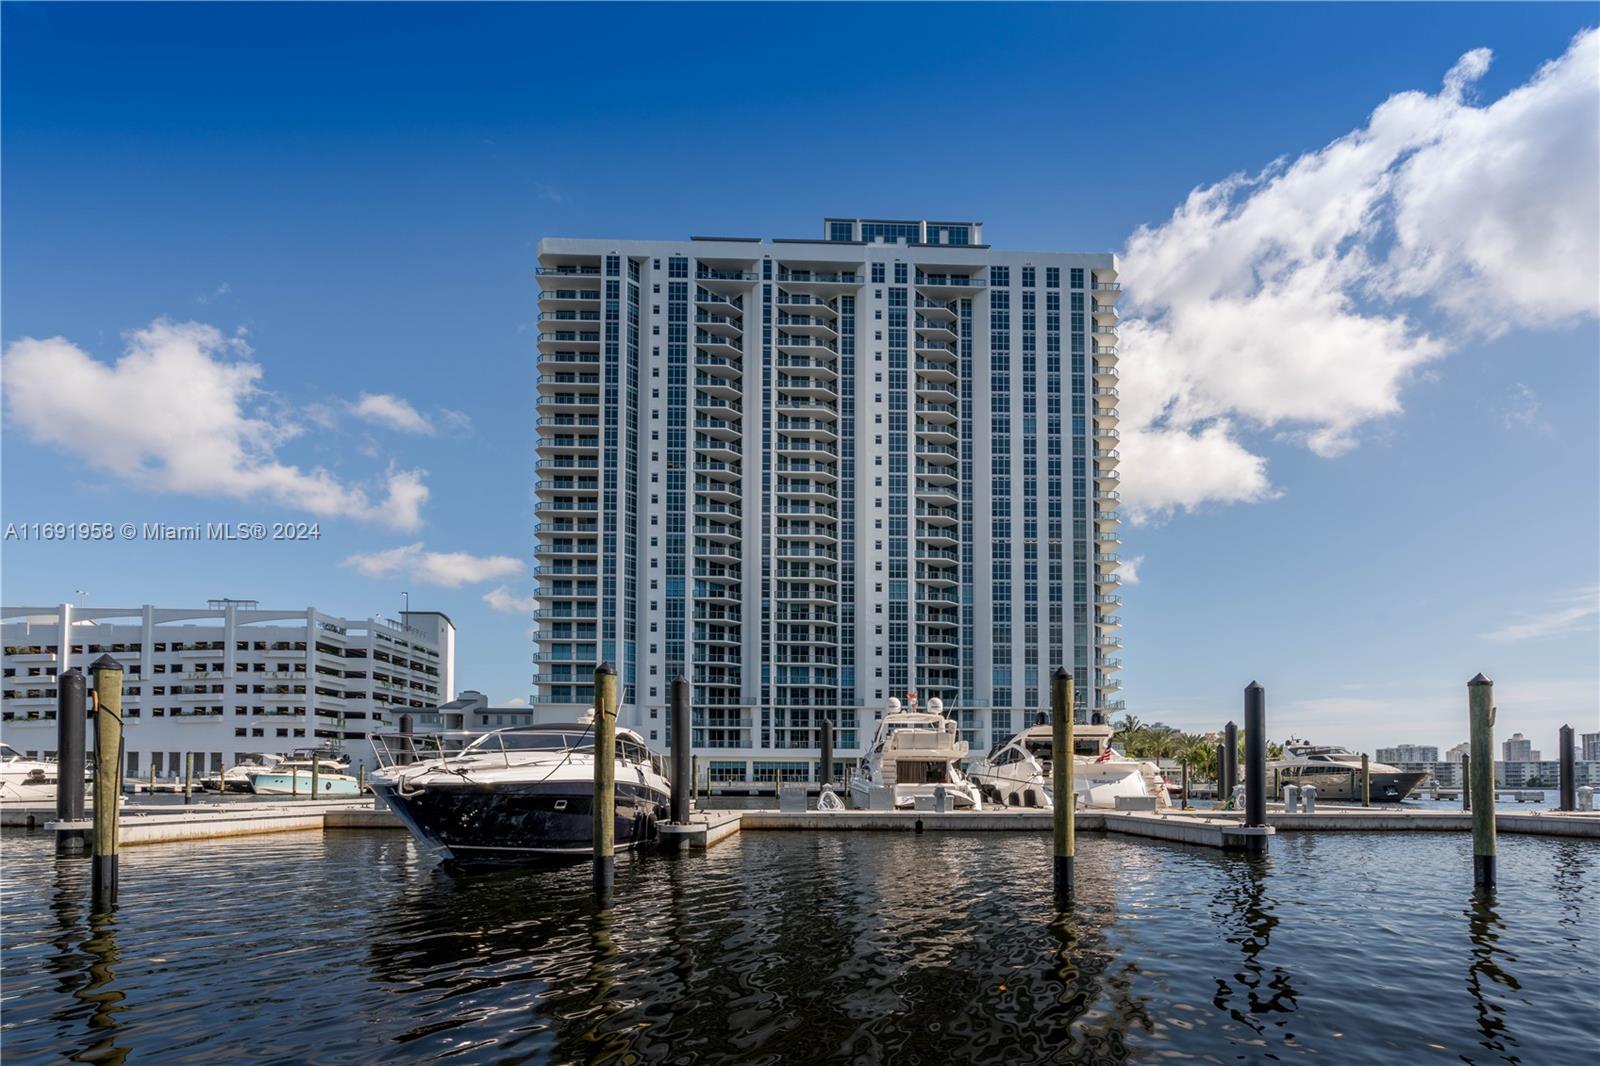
<point x="815" y="474"/>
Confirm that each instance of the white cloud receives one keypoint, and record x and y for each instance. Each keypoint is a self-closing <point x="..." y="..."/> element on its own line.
<point x="503" y="599"/>
<point x="514" y="701"/>
<point x="1128" y="571"/>
<point x="384" y="409"/>
<point x="1520" y="410"/>
<point x="450" y="569"/>
<point x="181" y="411"/>
<point x="1272" y="302"/>
<point x="1572" y="613"/>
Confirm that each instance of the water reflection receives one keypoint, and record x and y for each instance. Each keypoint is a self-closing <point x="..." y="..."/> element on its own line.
<point x="1484" y="929"/>
<point x="83" y="961"/>
<point x="1266" y="989"/>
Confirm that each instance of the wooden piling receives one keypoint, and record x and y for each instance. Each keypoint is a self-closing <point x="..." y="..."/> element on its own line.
<point x="1061" y="771"/>
<point x="605" y="772"/>
<point x="1366" y="780"/>
<point x="70" y="760"/>
<point x="107" y="777"/>
<point x="315" y="777"/>
<point x="1481" y="711"/>
<point x="188" y="776"/>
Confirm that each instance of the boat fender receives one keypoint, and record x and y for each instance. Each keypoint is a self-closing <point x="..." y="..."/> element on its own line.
<point x="829" y="801"/>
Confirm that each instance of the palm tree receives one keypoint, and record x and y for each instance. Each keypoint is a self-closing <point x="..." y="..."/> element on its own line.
<point x="1129" y="727"/>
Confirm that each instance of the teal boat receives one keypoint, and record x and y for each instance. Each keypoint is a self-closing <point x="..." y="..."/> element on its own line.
<point x="293" y="777"/>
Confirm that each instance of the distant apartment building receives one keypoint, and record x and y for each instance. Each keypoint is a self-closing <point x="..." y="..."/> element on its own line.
<point x="472" y="711"/>
<point x="227" y="679"/>
<point x="1405" y="753"/>
<point x="814" y="474"/>
<point x="1543" y="773"/>
<point x="1459" y="752"/>
<point x="1518" y="748"/>
<point x="1589" y="750"/>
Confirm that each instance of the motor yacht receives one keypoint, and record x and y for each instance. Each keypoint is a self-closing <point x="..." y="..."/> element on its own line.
<point x="25" y="780"/>
<point x="236" y="778"/>
<point x="293" y="776"/>
<point x="516" y="795"/>
<point x="913" y="753"/>
<point x="1017" y="772"/>
<point x="1336" y="773"/>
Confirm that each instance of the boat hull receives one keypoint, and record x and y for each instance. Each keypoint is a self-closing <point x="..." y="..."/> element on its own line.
<point x="1386" y="787"/>
<point x="299" y="784"/>
<point x="509" y="824"/>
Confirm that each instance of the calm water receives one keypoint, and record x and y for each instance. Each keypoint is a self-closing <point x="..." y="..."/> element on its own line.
<point x="791" y="947"/>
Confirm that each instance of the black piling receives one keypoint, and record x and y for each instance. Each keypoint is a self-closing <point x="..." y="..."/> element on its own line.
<point x="70" y="758"/>
<point x="1569" y="772"/>
<point x="682" y="749"/>
<point x="1481" y="714"/>
<point x="825" y="778"/>
<point x="1255" y="761"/>
<point x="1466" y="782"/>
<point x="1230" y="745"/>
<point x="1061" y="778"/>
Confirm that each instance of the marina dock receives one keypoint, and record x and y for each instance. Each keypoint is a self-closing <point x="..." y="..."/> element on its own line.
<point x="1222" y="830"/>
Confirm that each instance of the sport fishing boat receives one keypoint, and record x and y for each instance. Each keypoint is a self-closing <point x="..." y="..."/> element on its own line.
<point x="516" y="795"/>
<point x="294" y="777"/>
<point x="1017" y="773"/>
<point x="1336" y="772"/>
<point x="25" y="780"/>
<point x="913" y="753"/>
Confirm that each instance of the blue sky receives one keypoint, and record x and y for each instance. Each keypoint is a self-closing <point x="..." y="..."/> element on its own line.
<point x="350" y="198"/>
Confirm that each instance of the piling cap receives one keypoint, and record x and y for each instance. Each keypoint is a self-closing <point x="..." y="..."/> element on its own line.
<point x="1061" y="673"/>
<point x="105" y="662"/>
<point x="605" y="668"/>
<point x="1479" y="680"/>
<point x="1252" y="685"/>
<point x="680" y="678"/>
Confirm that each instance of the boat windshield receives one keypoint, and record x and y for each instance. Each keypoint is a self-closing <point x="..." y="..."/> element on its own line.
<point x="8" y="752"/>
<point x="512" y="740"/>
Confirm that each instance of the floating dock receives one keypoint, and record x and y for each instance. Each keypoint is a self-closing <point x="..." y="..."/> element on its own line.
<point x="1222" y="830"/>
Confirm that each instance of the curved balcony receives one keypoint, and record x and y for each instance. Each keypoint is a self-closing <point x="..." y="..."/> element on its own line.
<point x="806" y="407"/>
<point x="938" y="495"/>
<point x="726" y="281"/>
<point x="718" y="345"/>
<point x="935" y="433"/>
<point x="813" y="428"/>
<point x="724" y="447"/>
<point x="1109" y="621"/>
<point x="719" y="325"/>
<point x="570" y="402"/>
<point x="716" y="407"/>
<point x="717" y="470"/>
<point x="939" y="330"/>
<point x="804" y="304"/>
<point x="1107" y="519"/>
<point x="937" y="370"/>
<point x="589" y="465"/>
<point x="819" y="283"/>
<point x="559" y="298"/>
<point x="569" y="340"/>
<point x="1104" y="375"/>
<point x="1105" y="435"/>
<point x="718" y="303"/>
<point x="928" y="351"/>
<point x="1105" y="314"/>
<point x="808" y="326"/>
<point x="805" y="365"/>
<point x="943" y="288"/>
<point x="814" y="347"/>
<point x="1106" y="477"/>
<point x="563" y="444"/>
<point x="722" y="428"/>
<point x="566" y="421"/>
<point x="719" y="366"/>
<point x="576" y="550"/>
<point x="936" y="392"/>
<point x="564" y="360"/>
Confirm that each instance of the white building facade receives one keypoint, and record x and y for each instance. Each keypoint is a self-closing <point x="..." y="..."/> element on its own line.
<point x="227" y="679"/>
<point x="815" y="474"/>
<point x="1407" y="753"/>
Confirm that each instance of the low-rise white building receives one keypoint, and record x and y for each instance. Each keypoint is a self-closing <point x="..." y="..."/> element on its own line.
<point x="1404" y="753"/>
<point x="227" y="679"/>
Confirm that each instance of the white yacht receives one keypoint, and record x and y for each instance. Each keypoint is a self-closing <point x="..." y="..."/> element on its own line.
<point x="236" y="778"/>
<point x="25" y="780"/>
<point x="1017" y="773"/>
<point x="293" y="776"/>
<point x="914" y="752"/>
<point x="1336" y="772"/>
<point x="516" y="795"/>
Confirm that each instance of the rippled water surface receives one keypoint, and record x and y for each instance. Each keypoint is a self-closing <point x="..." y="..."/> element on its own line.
<point x="798" y="947"/>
